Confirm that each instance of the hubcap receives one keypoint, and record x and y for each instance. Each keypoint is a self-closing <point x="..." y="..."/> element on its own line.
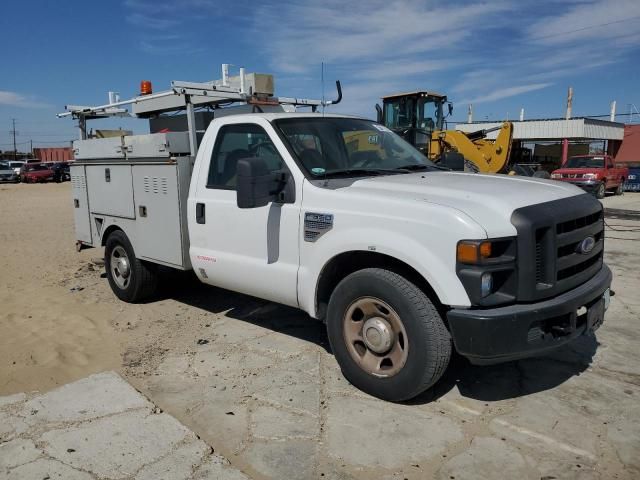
<point x="120" y="267"/>
<point x="375" y="337"/>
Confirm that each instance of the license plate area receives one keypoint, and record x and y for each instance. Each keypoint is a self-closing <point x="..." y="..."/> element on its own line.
<point x="595" y="315"/>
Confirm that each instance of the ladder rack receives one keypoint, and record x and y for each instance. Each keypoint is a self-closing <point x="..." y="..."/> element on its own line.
<point x="187" y="96"/>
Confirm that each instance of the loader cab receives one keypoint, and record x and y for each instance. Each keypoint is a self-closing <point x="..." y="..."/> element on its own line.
<point x="414" y="116"/>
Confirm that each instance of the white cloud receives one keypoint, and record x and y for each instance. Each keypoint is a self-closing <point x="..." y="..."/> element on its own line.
<point x="593" y="20"/>
<point x="507" y="92"/>
<point x="341" y="31"/>
<point x="484" y="50"/>
<point x="15" y="99"/>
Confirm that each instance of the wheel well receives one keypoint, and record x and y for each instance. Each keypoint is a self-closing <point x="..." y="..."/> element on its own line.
<point x="109" y="231"/>
<point x="348" y="262"/>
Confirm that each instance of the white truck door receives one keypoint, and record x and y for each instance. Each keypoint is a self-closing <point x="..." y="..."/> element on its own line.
<point x="254" y="250"/>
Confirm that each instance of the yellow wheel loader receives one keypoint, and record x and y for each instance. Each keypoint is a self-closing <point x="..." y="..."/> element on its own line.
<point x="419" y="118"/>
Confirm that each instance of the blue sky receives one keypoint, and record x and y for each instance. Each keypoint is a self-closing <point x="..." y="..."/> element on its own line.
<point x="500" y="55"/>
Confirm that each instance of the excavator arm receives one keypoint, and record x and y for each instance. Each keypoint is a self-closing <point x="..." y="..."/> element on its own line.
<point x="487" y="156"/>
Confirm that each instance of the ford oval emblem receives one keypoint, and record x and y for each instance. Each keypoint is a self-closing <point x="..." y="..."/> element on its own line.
<point x="586" y="245"/>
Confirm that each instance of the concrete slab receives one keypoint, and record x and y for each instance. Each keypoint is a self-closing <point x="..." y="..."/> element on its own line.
<point x="17" y="452"/>
<point x="100" y="427"/>
<point x="489" y="458"/>
<point x="95" y="396"/>
<point x="45" y="469"/>
<point x="290" y="459"/>
<point x="375" y="434"/>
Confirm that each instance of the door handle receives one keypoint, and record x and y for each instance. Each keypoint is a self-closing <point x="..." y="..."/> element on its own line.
<point x="200" y="213"/>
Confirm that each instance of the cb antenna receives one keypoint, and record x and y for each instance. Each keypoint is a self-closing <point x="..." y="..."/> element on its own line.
<point x="322" y="82"/>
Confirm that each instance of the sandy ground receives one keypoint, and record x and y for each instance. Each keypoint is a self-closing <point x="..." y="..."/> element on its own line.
<point x="59" y="321"/>
<point x="48" y="336"/>
<point x="265" y="392"/>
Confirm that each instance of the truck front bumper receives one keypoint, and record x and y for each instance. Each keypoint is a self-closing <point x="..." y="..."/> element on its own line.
<point x="589" y="186"/>
<point x="495" y="335"/>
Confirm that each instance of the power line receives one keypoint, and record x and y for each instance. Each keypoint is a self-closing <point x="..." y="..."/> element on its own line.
<point x="598" y="25"/>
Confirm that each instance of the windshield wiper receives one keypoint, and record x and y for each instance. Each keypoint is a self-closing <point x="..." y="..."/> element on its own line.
<point x="345" y="172"/>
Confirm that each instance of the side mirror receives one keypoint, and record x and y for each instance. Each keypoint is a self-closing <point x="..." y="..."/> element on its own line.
<point x="378" y="113"/>
<point x="257" y="186"/>
<point x="450" y="105"/>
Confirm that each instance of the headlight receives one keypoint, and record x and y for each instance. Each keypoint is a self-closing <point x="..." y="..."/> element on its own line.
<point x="589" y="175"/>
<point x="556" y="175"/>
<point x="487" y="270"/>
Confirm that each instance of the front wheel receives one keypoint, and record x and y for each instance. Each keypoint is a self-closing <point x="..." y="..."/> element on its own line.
<point x="601" y="191"/>
<point x="130" y="279"/>
<point x="386" y="334"/>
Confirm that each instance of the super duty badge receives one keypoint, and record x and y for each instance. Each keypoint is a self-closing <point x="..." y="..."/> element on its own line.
<point x="316" y="225"/>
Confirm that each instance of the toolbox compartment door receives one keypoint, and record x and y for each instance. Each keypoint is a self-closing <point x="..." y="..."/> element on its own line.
<point x="110" y="190"/>
<point x="80" y="201"/>
<point x="158" y="222"/>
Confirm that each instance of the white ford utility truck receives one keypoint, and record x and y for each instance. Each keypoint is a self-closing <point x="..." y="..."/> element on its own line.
<point x="340" y="217"/>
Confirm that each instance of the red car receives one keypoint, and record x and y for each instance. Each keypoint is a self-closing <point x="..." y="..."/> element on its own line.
<point x="35" y="172"/>
<point x="596" y="174"/>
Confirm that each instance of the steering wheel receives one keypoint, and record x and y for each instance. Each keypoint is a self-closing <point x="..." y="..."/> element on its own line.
<point x="369" y="158"/>
<point x="269" y="148"/>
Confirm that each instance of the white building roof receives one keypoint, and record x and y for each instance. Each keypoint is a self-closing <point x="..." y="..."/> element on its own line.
<point x="554" y="129"/>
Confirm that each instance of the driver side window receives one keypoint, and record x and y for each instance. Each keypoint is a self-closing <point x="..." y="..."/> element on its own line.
<point x="233" y="143"/>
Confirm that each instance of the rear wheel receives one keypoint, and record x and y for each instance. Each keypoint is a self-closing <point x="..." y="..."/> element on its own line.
<point x="601" y="191"/>
<point x="387" y="335"/>
<point x="620" y="189"/>
<point x="131" y="279"/>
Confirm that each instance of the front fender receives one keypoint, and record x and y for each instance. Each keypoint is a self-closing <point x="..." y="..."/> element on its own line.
<point x="436" y="267"/>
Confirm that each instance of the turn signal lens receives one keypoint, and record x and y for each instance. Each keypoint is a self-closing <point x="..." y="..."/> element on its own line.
<point x="473" y="252"/>
<point x="467" y="253"/>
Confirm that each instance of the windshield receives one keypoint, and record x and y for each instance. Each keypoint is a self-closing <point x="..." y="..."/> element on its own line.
<point x="4" y="166"/>
<point x="430" y="115"/>
<point x="585" y="162"/>
<point x="328" y="145"/>
<point x="427" y="111"/>
<point x="399" y="113"/>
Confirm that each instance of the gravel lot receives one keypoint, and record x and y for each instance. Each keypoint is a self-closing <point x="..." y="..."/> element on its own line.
<point x="257" y="383"/>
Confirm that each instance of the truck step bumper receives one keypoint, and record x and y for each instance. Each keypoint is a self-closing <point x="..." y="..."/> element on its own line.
<point x="496" y="335"/>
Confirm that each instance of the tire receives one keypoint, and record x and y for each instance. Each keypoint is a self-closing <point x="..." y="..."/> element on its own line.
<point x="131" y="279"/>
<point x="423" y="340"/>
<point x="620" y="188"/>
<point x="601" y="191"/>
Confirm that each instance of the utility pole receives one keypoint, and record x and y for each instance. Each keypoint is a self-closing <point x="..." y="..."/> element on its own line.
<point x="31" y="147"/>
<point x="13" y="131"/>
<point x="612" y="116"/>
<point x="569" y="103"/>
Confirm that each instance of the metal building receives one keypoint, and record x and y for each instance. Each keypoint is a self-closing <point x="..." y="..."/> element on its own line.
<point x="556" y="139"/>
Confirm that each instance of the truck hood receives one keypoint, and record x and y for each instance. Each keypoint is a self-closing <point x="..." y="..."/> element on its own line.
<point x="488" y="199"/>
